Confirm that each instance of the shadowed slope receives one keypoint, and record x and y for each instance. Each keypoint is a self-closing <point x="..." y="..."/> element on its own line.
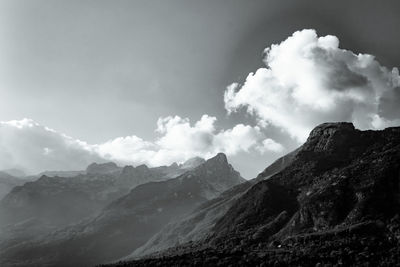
<point x="340" y="196"/>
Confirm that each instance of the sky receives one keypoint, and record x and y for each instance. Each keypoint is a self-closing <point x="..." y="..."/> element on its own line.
<point x="161" y="81"/>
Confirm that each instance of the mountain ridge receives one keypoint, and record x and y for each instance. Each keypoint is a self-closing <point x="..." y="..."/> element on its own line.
<point x="131" y="219"/>
<point x="341" y="188"/>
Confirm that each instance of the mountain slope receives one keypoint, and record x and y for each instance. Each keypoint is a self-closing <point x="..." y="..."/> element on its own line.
<point x="196" y="225"/>
<point x="60" y="201"/>
<point x="338" y="202"/>
<point x="129" y="221"/>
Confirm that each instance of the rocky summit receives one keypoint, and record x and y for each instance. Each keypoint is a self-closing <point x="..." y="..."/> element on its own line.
<point x="337" y="203"/>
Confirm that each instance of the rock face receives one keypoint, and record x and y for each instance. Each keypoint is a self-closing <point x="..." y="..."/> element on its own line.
<point x="129" y="221"/>
<point x="337" y="202"/>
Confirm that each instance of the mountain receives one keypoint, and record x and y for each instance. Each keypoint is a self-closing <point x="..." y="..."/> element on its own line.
<point x="129" y="221"/>
<point x="57" y="200"/>
<point x="63" y="200"/>
<point x="103" y="168"/>
<point x="60" y="173"/>
<point x="33" y="208"/>
<point x="192" y="227"/>
<point x="196" y="225"/>
<point x="336" y="203"/>
<point x="192" y="163"/>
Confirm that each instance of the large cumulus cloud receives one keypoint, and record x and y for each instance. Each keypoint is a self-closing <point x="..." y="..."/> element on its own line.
<point x="29" y="145"/>
<point x="309" y="80"/>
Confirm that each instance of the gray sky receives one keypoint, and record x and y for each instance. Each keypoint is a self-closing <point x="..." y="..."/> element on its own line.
<point x="97" y="70"/>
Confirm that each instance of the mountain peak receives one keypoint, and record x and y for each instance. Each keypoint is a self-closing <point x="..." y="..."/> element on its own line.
<point x="330" y="136"/>
<point x="142" y="167"/>
<point x="102" y="168"/>
<point x="174" y="165"/>
<point x="192" y="163"/>
<point x="127" y="169"/>
<point x="219" y="158"/>
<point x="331" y="127"/>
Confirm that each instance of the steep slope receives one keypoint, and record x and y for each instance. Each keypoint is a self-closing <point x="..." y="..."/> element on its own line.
<point x="338" y="202"/>
<point x="129" y="221"/>
<point x="196" y="225"/>
<point x="192" y="227"/>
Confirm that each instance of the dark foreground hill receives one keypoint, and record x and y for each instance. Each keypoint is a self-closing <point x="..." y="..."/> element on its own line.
<point x="336" y="204"/>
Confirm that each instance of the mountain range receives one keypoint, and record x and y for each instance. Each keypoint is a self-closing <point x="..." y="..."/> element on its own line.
<point x="334" y="201"/>
<point x="127" y="221"/>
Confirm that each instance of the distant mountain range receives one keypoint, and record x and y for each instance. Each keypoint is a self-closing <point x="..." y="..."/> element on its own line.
<point x="333" y="201"/>
<point x="61" y="200"/>
<point x="127" y="222"/>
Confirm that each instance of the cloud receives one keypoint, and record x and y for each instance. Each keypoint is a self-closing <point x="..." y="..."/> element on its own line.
<point x="35" y="148"/>
<point x="309" y="80"/>
<point x="180" y="140"/>
<point x="27" y="145"/>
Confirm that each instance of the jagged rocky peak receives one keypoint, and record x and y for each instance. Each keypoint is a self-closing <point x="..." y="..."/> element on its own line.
<point x="218" y="162"/>
<point x="223" y="172"/>
<point x="142" y="167"/>
<point x="330" y="128"/>
<point x="174" y="165"/>
<point x="192" y="163"/>
<point x="102" y="168"/>
<point x="220" y="158"/>
<point x="141" y="170"/>
<point x="128" y="169"/>
<point x="44" y="178"/>
<point x="132" y="176"/>
<point x="330" y="136"/>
